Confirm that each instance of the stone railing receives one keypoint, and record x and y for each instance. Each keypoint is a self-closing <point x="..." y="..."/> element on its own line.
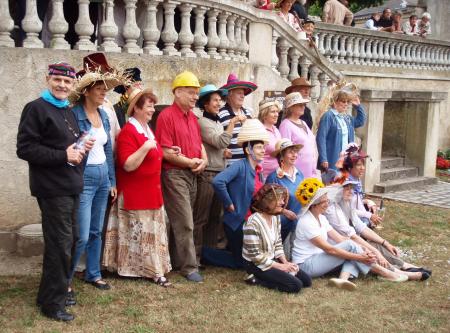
<point x="355" y="46"/>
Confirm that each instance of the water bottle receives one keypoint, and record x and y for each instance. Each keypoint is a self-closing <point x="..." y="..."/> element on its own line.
<point x="84" y="137"/>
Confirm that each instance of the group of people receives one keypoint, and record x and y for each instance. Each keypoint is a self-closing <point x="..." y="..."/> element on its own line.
<point x="104" y="186"/>
<point x="388" y="22"/>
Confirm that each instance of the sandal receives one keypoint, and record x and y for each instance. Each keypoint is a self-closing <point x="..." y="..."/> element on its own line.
<point x="163" y="282"/>
<point x="100" y="284"/>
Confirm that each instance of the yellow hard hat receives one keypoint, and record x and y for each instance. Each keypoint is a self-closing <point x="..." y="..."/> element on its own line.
<point x="185" y="79"/>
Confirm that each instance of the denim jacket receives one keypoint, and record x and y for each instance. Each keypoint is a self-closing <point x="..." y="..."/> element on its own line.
<point x="85" y="126"/>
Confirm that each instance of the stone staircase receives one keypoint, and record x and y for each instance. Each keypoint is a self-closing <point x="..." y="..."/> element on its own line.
<point x="396" y="176"/>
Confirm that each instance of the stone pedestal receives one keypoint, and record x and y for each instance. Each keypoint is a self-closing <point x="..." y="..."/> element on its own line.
<point x="30" y="241"/>
<point x="260" y="37"/>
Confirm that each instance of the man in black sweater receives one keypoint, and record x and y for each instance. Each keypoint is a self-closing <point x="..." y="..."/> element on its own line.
<point x="46" y="139"/>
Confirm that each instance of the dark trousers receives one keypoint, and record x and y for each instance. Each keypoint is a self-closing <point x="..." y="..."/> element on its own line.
<point x="276" y="279"/>
<point x="60" y="232"/>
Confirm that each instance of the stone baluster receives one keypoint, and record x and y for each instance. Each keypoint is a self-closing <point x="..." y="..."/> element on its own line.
<point x="305" y="64"/>
<point x="349" y="47"/>
<point x="283" y="66"/>
<point x="328" y="46"/>
<point x="342" y="51"/>
<point x="375" y="52"/>
<point x="200" y="39"/>
<point x="213" y="38"/>
<point x="441" y="59"/>
<point x="387" y="57"/>
<point x="294" y="55"/>
<point x="186" y="37"/>
<point x="108" y="29"/>
<point x="428" y="59"/>
<point x="369" y="52"/>
<point x="321" y="44"/>
<point x="356" y="52"/>
<point x="223" y="46"/>
<point x="58" y="26"/>
<point x="245" y="45"/>
<point x="169" y="35"/>
<point x="380" y="52"/>
<point x="403" y="55"/>
<point x="6" y="25"/>
<point x="275" y="59"/>
<point x="84" y="27"/>
<point x="151" y="32"/>
<point x="362" y="51"/>
<point x="32" y="26"/>
<point x="131" y="31"/>
<point x="414" y="56"/>
<point x="408" y="55"/>
<point x="323" y="80"/>
<point x="335" y="49"/>
<point x="230" y="35"/>
<point x="237" y="38"/>
<point x="446" y="59"/>
<point x="392" y="54"/>
<point x="398" y="57"/>
<point x="434" y="57"/>
<point x="315" y="91"/>
<point x="422" y="56"/>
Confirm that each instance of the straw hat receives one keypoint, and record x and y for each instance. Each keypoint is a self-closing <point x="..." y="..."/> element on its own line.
<point x="135" y="95"/>
<point x="284" y="144"/>
<point x="298" y="82"/>
<point x="110" y="80"/>
<point x="234" y="83"/>
<point x="267" y="103"/>
<point x="252" y="130"/>
<point x="294" y="98"/>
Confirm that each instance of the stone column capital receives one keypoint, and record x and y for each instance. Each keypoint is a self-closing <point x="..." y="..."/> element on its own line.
<point x="369" y="95"/>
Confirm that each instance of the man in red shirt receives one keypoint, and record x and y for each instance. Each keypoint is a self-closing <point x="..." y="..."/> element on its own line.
<point x="177" y="126"/>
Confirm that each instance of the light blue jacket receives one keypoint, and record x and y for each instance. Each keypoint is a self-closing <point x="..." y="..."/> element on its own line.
<point x="329" y="134"/>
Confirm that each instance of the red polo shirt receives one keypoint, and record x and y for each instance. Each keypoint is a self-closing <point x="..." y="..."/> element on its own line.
<point x="177" y="128"/>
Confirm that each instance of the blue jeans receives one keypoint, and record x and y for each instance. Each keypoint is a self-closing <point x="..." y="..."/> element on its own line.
<point x="91" y="215"/>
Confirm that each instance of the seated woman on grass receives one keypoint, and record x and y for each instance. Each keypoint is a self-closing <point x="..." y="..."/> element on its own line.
<point x="263" y="249"/>
<point x="347" y="223"/>
<point x="317" y="256"/>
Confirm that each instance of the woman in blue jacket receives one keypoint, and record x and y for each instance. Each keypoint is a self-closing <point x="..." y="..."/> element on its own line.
<point x="235" y="187"/>
<point x="337" y="128"/>
<point x="99" y="174"/>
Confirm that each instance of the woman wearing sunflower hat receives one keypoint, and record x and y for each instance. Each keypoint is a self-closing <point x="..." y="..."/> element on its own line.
<point x="316" y="256"/>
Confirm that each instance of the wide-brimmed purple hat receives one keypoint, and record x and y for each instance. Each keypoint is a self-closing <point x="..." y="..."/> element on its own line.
<point x="234" y="83"/>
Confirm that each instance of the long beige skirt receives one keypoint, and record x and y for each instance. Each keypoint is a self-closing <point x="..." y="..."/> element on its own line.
<point x="136" y="242"/>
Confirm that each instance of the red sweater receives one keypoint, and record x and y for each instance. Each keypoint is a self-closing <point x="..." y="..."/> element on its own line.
<point x="141" y="188"/>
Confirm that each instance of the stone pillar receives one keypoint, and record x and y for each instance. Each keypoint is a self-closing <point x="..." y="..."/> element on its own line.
<point x="108" y="29"/>
<point x="283" y="65"/>
<point x="32" y="26"/>
<point x="260" y="37"/>
<point x="151" y="32"/>
<point x="84" y="27"/>
<point x="6" y="25"/>
<point x="432" y="133"/>
<point x="223" y="46"/>
<point x="213" y="38"/>
<point x="373" y="101"/>
<point x="294" y="55"/>
<point x="58" y="26"/>
<point x="131" y="30"/>
<point x="169" y="35"/>
<point x="230" y="35"/>
<point x="186" y="37"/>
<point x="200" y="38"/>
<point x="274" y="60"/>
<point x="245" y="46"/>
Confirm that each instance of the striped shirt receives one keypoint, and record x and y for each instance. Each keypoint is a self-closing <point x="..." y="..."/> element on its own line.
<point x="225" y="115"/>
<point x="262" y="244"/>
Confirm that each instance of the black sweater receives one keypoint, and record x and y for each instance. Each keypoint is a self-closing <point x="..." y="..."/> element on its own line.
<point x="42" y="141"/>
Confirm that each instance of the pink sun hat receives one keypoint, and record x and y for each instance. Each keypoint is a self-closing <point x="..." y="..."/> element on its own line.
<point x="234" y="83"/>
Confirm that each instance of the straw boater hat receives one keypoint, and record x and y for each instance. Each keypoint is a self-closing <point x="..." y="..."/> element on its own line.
<point x="136" y="94"/>
<point x="267" y="103"/>
<point x="284" y="144"/>
<point x="234" y="83"/>
<point x="311" y="190"/>
<point x="252" y="130"/>
<point x="298" y="82"/>
<point x="293" y="99"/>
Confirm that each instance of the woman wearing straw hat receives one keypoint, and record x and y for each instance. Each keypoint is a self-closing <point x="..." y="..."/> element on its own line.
<point x="316" y="255"/>
<point x="290" y="177"/>
<point x="263" y="249"/>
<point x="207" y="208"/>
<point x="235" y="187"/>
<point x="296" y="130"/>
<point x="136" y="236"/>
<point x="269" y="110"/>
<point x="99" y="174"/>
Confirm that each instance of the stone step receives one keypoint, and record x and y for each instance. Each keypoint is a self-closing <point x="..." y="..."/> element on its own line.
<point x="388" y="162"/>
<point x="409" y="183"/>
<point x="398" y="173"/>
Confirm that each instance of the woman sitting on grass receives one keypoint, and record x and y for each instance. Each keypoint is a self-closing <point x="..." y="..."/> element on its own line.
<point x="347" y="223"/>
<point x="263" y="249"/>
<point x="313" y="252"/>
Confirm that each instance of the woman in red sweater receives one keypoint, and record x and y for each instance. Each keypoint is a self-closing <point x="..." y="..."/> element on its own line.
<point x="136" y="239"/>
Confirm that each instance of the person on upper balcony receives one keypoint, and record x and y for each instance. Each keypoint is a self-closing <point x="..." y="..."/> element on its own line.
<point x="335" y="12"/>
<point x="298" y="9"/>
<point x="386" y="21"/>
<point x="265" y="4"/>
<point x="411" y="26"/>
<point x="285" y="6"/>
<point x="424" y="25"/>
<point x="371" y="23"/>
<point x="397" y="23"/>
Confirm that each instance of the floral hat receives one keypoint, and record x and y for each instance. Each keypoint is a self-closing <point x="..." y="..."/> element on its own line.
<point x="310" y="191"/>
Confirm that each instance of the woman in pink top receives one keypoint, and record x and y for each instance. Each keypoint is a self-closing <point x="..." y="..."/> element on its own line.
<point x="268" y="115"/>
<point x="296" y="130"/>
<point x="285" y="6"/>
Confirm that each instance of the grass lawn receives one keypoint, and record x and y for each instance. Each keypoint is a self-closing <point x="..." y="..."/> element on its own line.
<point x="225" y="304"/>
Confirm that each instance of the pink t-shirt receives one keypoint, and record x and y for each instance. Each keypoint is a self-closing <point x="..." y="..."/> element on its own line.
<point x="270" y="164"/>
<point x="307" y="156"/>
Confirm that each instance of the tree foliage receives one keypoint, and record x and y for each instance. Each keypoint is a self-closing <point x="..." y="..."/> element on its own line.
<point x="355" y="5"/>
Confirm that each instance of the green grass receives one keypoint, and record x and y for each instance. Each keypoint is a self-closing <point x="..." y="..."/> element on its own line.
<point x="225" y="304"/>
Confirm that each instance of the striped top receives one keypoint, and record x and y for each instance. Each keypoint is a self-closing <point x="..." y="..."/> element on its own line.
<point x="262" y="244"/>
<point x="225" y="115"/>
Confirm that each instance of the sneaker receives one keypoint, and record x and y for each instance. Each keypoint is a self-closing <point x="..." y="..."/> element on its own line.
<point x="342" y="284"/>
<point x="194" y="277"/>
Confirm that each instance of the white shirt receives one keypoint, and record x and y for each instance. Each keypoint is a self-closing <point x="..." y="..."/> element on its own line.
<point x="97" y="153"/>
<point x="308" y="228"/>
<point x="113" y="122"/>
